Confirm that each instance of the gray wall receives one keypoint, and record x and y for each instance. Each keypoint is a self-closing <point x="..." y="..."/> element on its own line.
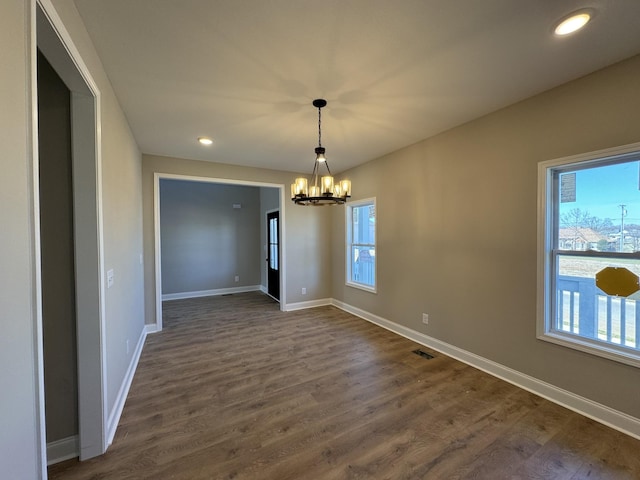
<point x="456" y="219"/>
<point x="57" y="247"/>
<point x="205" y="241"/>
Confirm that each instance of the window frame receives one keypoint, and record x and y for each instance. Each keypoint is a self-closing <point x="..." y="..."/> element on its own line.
<point x="349" y="244"/>
<point x="548" y="213"/>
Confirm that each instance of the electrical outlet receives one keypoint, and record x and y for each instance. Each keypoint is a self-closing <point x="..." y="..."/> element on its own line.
<point x="237" y="278"/>
<point x="127" y="346"/>
<point x="304" y="291"/>
<point x="110" y="278"/>
<point x="425" y="318"/>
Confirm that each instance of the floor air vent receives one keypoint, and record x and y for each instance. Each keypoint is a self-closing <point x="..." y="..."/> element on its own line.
<point x="423" y="354"/>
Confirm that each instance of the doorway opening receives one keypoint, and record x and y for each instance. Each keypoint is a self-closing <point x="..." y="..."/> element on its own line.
<point x="84" y="242"/>
<point x="189" y="274"/>
<point x="58" y="279"/>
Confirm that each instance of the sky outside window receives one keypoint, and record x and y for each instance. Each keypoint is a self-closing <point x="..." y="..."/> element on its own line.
<point x="600" y="191"/>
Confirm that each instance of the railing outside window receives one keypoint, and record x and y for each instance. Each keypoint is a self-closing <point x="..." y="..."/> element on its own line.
<point x="583" y="309"/>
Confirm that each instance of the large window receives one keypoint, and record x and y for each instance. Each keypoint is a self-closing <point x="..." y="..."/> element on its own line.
<point x="589" y="253"/>
<point x="361" y="244"/>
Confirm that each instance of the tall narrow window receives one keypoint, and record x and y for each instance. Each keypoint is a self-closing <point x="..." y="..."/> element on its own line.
<point x="589" y="248"/>
<point x="361" y="244"/>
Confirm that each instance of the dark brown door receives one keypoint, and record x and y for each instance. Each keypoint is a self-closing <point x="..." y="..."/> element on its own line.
<point x="273" y="254"/>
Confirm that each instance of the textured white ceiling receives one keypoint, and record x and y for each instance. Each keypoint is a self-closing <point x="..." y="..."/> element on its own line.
<point x="393" y="72"/>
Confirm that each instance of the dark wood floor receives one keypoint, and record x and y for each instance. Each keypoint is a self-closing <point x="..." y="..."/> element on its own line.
<point x="235" y="389"/>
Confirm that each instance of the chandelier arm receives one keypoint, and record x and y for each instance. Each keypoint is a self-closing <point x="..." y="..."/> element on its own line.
<point x="326" y="163"/>
<point x="314" y="173"/>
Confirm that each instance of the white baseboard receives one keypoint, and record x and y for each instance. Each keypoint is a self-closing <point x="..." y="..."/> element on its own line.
<point x="290" y="307"/>
<point x="63" y="449"/>
<point x="263" y="289"/>
<point x="596" y="411"/>
<point x="210" y="293"/>
<point x="150" y="328"/>
<point x="116" y="412"/>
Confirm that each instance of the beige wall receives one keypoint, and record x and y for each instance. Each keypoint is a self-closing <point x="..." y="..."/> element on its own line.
<point x="456" y="218"/>
<point x="122" y="214"/>
<point x="306" y="251"/>
<point x="20" y="442"/>
<point x="20" y="451"/>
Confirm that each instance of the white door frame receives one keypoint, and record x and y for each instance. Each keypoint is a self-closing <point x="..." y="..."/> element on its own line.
<point x="157" y="176"/>
<point x="50" y="35"/>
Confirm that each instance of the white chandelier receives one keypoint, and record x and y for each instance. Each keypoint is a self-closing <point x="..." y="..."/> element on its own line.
<point x="323" y="190"/>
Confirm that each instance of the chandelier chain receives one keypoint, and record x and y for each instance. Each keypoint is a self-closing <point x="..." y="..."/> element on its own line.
<point x="319" y="126"/>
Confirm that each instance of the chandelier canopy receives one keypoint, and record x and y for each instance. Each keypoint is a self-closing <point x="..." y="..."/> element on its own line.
<point x="320" y="190"/>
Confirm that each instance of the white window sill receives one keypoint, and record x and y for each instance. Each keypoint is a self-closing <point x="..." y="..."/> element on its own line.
<point x="361" y="286"/>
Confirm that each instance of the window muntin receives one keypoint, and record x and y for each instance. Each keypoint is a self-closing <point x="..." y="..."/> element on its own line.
<point x="361" y="244"/>
<point x="273" y="245"/>
<point x="590" y="219"/>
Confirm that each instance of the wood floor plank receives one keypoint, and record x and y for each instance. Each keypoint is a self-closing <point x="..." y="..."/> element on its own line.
<point x="233" y="388"/>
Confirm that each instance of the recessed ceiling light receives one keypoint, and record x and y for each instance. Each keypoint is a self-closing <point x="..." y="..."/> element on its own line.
<point x="205" y="140"/>
<point x="573" y="22"/>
